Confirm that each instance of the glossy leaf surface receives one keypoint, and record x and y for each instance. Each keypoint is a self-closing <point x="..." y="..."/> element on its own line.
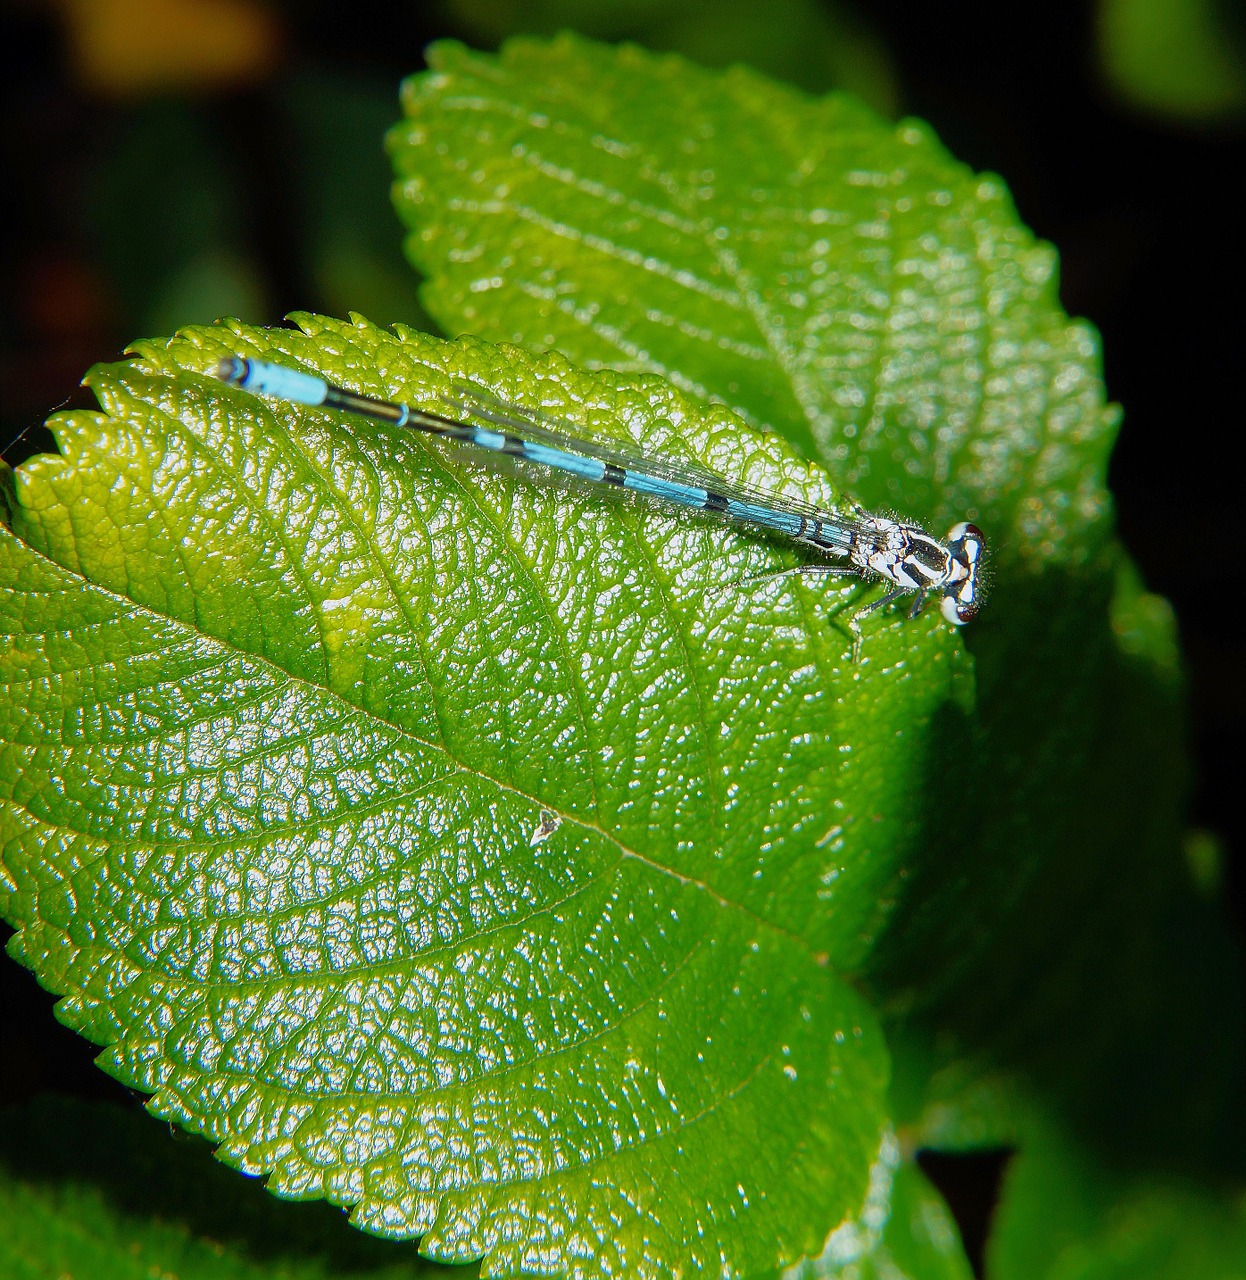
<point x="458" y="848"/>
<point x="836" y="278"/>
<point x="849" y="284"/>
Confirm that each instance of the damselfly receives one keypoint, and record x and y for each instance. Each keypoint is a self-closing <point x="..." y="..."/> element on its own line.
<point x="865" y="545"/>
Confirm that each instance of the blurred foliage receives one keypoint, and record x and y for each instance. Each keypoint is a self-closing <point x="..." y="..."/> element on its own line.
<point x="129" y="48"/>
<point x="1181" y="60"/>
<point x="1069" y="1213"/>
<point x="337" y="124"/>
<point x="815" y="44"/>
<point x="170" y="208"/>
<point x="174" y="247"/>
<point x="93" y="1192"/>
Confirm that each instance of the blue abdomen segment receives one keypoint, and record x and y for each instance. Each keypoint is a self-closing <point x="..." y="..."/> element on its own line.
<point x="573" y="463"/>
<point x="494" y="441"/>
<point x="273" y="380"/>
<point x="767" y="517"/>
<point x="686" y="495"/>
<point x="585" y="467"/>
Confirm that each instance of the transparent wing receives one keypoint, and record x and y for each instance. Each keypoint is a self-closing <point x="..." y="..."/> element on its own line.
<point x="475" y="405"/>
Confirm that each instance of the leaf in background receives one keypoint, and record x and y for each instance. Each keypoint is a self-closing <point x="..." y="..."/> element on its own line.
<point x="1067" y="1214"/>
<point x="170" y="224"/>
<point x="816" y="44"/>
<point x="334" y="123"/>
<point x="92" y="1192"/>
<point x="851" y="285"/>
<point x="1180" y="60"/>
<point x="841" y="280"/>
<point x="461" y="849"/>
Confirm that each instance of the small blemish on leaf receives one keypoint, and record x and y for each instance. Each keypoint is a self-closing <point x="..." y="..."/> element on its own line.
<point x="550" y="822"/>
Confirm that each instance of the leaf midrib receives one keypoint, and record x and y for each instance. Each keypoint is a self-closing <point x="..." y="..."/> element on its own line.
<point x="266" y="663"/>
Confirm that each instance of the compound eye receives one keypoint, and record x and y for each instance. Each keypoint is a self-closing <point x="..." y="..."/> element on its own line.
<point x="958" y="611"/>
<point x="968" y="537"/>
<point x="965" y="544"/>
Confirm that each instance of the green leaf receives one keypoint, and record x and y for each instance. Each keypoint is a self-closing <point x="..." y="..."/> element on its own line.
<point x="460" y="849"/>
<point x="90" y="1191"/>
<point x="849" y="284"/>
<point x="1067" y="1214"/>
<point x="841" y="280"/>
<point x="903" y="1232"/>
<point x="1181" y="60"/>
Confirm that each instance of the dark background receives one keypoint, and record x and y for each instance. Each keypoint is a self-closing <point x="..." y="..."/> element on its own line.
<point x="140" y="199"/>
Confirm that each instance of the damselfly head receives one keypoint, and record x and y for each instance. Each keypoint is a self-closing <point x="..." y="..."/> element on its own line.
<point x="963" y="589"/>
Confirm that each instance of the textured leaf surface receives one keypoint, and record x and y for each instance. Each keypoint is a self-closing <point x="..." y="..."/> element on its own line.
<point x="838" y="279"/>
<point x="903" y="1232"/>
<point x="849" y="284"/>
<point x="88" y="1192"/>
<point x="457" y="848"/>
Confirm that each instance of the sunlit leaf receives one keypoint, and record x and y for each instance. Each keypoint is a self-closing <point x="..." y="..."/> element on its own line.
<point x="470" y="852"/>
<point x="839" y="279"/>
<point x="848" y="283"/>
